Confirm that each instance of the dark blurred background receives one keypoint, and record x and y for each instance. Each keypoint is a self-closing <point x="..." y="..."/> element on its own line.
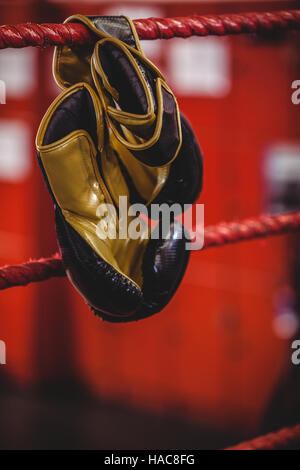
<point x="215" y="366"/>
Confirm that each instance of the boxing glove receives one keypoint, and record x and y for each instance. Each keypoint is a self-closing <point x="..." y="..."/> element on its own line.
<point x="122" y="278"/>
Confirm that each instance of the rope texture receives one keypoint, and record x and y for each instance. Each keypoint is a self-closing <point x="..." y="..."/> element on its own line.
<point x="218" y="235"/>
<point x="248" y="229"/>
<point x="31" y="271"/>
<point x="286" y="438"/>
<point x="49" y="34"/>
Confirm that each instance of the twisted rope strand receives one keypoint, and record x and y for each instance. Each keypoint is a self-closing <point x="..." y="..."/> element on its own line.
<point x="31" y="271"/>
<point x="220" y="25"/>
<point x="218" y="235"/>
<point x="71" y="34"/>
<point x="283" y="439"/>
<point x="248" y="229"/>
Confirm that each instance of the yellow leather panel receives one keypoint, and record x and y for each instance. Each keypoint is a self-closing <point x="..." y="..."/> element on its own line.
<point x="72" y="65"/>
<point x="73" y="175"/>
<point x="113" y="175"/>
<point x="148" y="181"/>
<point x="70" y="171"/>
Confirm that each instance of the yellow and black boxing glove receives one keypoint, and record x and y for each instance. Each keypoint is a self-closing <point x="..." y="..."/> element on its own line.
<point x="160" y="158"/>
<point x="87" y="167"/>
<point x="121" y="277"/>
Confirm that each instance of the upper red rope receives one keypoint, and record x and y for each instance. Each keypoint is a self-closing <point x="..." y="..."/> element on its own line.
<point x="30" y="34"/>
<point x="218" y="235"/>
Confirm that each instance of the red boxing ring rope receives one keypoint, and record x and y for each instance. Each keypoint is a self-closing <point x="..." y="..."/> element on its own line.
<point x="48" y="34"/>
<point x="218" y="235"/>
<point x="280" y="440"/>
<point x="75" y="34"/>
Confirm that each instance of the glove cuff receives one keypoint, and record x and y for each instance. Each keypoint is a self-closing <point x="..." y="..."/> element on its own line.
<point x="72" y="64"/>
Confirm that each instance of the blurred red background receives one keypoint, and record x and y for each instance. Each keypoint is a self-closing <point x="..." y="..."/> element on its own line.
<point x="215" y="365"/>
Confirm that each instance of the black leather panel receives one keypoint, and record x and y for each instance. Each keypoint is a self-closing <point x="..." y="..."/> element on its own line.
<point x="123" y="78"/>
<point x="116" y="26"/>
<point x="76" y="112"/>
<point x="184" y="182"/>
<point x="168" y="141"/>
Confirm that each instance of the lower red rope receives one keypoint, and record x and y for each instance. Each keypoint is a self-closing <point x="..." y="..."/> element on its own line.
<point x="218" y="235"/>
<point x="32" y="271"/>
<point x="248" y="229"/>
<point x="286" y="438"/>
<point x="72" y="34"/>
